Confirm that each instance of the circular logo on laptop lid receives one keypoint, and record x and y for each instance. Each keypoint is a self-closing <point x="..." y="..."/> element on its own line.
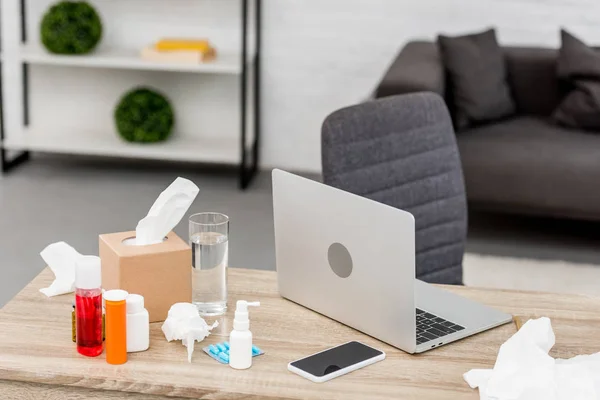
<point x="340" y="260"/>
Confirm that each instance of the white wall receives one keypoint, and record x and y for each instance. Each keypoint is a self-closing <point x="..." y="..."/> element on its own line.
<point x="323" y="54"/>
<point x="319" y="55"/>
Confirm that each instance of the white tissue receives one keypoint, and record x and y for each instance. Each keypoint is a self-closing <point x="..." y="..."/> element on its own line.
<point x="166" y="212"/>
<point x="61" y="258"/>
<point x="183" y="323"/>
<point x="524" y="370"/>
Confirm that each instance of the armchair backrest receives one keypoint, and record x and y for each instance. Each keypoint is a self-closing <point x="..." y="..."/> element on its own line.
<point x="401" y="151"/>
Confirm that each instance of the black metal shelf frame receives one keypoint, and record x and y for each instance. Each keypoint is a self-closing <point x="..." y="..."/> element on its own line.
<point x="247" y="172"/>
<point x="248" y="166"/>
<point x="9" y="163"/>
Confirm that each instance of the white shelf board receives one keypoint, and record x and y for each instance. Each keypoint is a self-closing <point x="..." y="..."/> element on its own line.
<point x="176" y="147"/>
<point x="130" y="59"/>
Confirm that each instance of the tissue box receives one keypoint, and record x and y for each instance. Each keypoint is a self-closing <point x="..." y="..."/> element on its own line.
<point x="162" y="272"/>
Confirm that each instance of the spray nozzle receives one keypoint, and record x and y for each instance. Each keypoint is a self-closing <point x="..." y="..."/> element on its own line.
<point x="242" y="321"/>
<point x="242" y="305"/>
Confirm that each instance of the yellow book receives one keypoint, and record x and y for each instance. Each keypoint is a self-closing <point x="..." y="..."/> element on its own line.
<point x="178" y="57"/>
<point x="198" y="45"/>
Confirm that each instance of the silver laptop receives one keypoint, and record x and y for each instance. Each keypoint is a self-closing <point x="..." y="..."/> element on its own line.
<point x="353" y="260"/>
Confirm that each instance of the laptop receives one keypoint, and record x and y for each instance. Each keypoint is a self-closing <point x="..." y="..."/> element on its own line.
<point x="353" y="259"/>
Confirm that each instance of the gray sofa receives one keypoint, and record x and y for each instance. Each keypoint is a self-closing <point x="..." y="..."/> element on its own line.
<point x="524" y="164"/>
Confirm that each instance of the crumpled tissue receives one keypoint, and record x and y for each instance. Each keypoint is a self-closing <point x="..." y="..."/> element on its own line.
<point x="166" y="212"/>
<point x="62" y="261"/>
<point x="525" y="370"/>
<point x="183" y="323"/>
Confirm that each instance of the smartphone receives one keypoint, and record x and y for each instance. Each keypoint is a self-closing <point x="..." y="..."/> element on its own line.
<point x="337" y="361"/>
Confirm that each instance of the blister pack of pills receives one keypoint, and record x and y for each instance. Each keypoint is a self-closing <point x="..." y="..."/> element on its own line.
<point x="220" y="352"/>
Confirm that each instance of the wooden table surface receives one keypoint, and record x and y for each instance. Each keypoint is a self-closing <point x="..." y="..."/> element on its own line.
<point x="38" y="360"/>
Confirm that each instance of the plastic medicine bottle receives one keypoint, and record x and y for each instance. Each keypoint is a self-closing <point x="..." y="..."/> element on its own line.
<point x="138" y="324"/>
<point x="88" y="306"/>
<point x="240" y="339"/>
<point x="116" y="326"/>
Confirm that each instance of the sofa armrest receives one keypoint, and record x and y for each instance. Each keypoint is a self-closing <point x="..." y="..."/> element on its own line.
<point x="418" y="68"/>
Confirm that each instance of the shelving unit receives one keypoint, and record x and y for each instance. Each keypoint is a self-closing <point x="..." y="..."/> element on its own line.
<point x="223" y="151"/>
<point x="130" y="59"/>
<point x="243" y="151"/>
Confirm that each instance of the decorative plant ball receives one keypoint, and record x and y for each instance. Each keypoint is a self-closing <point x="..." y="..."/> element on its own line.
<point x="144" y="115"/>
<point x="71" y="27"/>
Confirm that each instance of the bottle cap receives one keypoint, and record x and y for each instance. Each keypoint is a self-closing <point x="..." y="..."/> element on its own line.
<point x="135" y="303"/>
<point x="88" y="272"/>
<point x="115" y="295"/>
<point x="241" y="321"/>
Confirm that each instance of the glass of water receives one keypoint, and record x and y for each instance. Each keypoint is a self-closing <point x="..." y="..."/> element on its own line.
<point x="209" y="239"/>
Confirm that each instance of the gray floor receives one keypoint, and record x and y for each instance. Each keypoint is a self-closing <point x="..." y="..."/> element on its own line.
<point x="56" y="198"/>
<point x="536" y="238"/>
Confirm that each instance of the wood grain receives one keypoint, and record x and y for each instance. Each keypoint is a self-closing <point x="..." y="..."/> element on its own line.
<point x="36" y="348"/>
<point x="13" y="390"/>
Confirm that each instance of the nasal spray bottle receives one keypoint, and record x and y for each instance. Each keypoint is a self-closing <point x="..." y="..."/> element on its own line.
<point x="240" y="339"/>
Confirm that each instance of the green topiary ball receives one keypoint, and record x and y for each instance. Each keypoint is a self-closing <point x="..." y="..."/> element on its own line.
<point x="71" y="27"/>
<point x="144" y="115"/>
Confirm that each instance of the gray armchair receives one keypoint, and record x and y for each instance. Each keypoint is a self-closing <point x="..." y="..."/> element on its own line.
<point x="401" y="151"/>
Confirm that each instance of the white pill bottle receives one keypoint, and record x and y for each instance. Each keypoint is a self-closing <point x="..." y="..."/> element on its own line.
<point x="138" y="324"/>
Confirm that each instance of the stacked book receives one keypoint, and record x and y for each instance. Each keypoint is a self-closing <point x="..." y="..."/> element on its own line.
<point x="192" y="51"/>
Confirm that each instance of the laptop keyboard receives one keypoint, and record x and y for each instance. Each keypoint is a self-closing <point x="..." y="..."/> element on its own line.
<point x="430" y="327"/>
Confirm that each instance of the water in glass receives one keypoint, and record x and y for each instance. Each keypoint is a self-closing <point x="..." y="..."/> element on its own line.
<point x="210" y="251"/>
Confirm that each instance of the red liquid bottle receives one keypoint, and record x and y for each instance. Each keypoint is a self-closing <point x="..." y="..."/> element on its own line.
<point x="88" y="306"/>
<point x="88" y="312"/>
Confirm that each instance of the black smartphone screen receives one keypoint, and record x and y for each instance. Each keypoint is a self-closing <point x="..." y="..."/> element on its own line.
<point x="337" y="358"/>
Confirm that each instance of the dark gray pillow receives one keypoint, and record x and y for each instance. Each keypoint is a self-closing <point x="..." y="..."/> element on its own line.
<point x="477" y="78"/>
<point x="579" y="67"/>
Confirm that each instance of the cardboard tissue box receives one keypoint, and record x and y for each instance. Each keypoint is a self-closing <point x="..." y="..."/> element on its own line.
<point x="152" y="260"/>
<point x="162" y="272"/>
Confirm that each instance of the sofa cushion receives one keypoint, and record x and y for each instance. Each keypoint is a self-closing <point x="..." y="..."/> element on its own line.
<point x="478" y="83"/>
<point x="581" y="108"/>
<point x="576" y="59"/>
<point x="579" y="65"/>
<point x="532" y="165"/>
<point x="533" y="79"/>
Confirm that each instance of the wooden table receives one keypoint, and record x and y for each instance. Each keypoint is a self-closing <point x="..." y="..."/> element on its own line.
<point x="38" y="360"/>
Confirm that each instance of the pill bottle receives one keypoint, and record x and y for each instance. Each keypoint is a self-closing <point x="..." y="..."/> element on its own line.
<point x="116" y="326"/>
<point x="138" y="324"/>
